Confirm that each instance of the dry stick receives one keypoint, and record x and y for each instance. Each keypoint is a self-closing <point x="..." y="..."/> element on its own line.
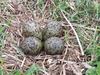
<point x="15" y="58"/>
<point x="65" y="54"/>
<point x="45" y="73"/>
<point x="82" y="52"/>
<point x="76" y="69"/>
<point x="23" y="62"/>
<point x="64" y="71"/>
<point x="44" y="69"/>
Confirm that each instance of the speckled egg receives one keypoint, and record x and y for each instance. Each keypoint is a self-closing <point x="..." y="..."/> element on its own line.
<point x="53" y="28"/>
<point x="31" y="45"/>
<point x="31" y="28"/>
<point x="54" y="45"/>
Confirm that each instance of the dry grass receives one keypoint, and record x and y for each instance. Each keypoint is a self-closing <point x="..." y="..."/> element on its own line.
<point x="71" y="62"/>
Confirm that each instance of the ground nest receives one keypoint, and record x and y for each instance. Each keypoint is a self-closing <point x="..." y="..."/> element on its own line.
<point x="70" y="62"/>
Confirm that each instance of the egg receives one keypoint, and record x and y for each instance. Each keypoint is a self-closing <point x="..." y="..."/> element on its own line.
<point x="31" y="45"/>
<point x="54" y="45"/>
<point x="31" y="28"/>
<point x="53" y="28"/>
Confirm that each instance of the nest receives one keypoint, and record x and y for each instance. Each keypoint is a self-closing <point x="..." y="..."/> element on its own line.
<point x="70" y="62"/>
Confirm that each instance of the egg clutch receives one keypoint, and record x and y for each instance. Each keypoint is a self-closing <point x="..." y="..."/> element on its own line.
<point x="36" y="38"/>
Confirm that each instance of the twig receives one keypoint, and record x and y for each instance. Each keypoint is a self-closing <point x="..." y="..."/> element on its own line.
<point x="82" y="52"/>
<point x="15" y="58"/>
<point x="64" y="71"/>
<point x="76" y="69"/>
<point x="65" y="54"/>
<point x="23" y="62"/>
<point x="82" y="26"/>
<point x="46" y="73"/>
